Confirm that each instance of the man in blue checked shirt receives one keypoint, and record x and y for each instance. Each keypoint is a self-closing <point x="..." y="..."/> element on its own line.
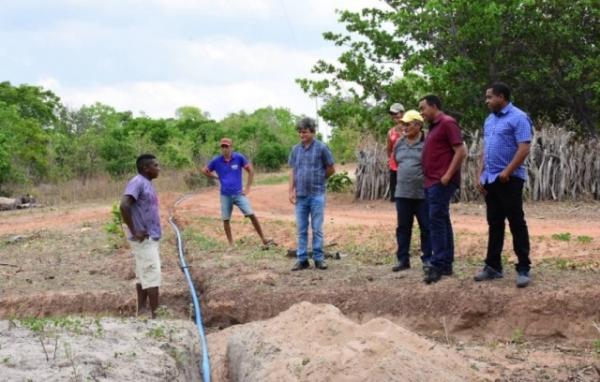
<point x="311" y="163"/>
<point x="507" y="134"/>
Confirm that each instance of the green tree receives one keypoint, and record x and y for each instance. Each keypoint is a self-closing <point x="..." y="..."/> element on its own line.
<point x="24" y="144"/>
<point x="117" y="152"/>
<point x="547" y="51"/>
<point x="32" y="102"/>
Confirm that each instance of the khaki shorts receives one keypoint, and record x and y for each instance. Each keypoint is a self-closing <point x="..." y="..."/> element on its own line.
<point x="147" y="262"/>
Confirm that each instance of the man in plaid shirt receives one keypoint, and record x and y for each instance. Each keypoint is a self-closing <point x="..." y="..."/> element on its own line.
<point x="507" y="133"/>
<point x="311" y="163"/>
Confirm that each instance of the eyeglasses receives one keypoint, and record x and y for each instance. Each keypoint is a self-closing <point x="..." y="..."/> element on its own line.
<point x="224" y="146"/>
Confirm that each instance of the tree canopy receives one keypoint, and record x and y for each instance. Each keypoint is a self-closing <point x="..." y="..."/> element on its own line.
<point x="41" y="140"/>
<point x="547" y="51"/>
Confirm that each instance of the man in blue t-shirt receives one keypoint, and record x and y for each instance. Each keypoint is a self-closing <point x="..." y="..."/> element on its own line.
<point x="228" y="168"/>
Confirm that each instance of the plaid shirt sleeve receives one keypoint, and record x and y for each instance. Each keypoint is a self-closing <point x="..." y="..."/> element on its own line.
<point x="327" y="156"/>
<point x="523" y="130"/>
<point x="292" y="157"/>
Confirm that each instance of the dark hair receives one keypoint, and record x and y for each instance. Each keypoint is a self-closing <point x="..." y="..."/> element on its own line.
<point x="500" y="88"/>
<point x="432" y="100"/>
<point x="142" y="161"/>
<point x="306" y="123"/>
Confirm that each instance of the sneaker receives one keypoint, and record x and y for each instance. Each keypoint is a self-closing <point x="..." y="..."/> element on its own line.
<point x="300" y="265"/>
<point x="447" y="271"/>
<point x="488" y="273"/>
<point x="523" y="279"/>
<point x="432" y="275"/>
<point x="320" y="264"/>
<point x="401" y="266"/>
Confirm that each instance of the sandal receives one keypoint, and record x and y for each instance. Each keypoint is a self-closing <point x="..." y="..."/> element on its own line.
<point x="268" y="245"/>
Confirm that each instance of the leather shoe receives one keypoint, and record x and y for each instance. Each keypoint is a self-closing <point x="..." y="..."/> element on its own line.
<point x="400" y="267"/>
<point x="300" y="265"/>
<point x="320" y="264"/>
<point x="432" y="275"/>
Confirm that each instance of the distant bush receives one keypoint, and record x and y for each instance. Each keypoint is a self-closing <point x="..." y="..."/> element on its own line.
<point x="271" y="156"/>
<point x="339" y="182"/>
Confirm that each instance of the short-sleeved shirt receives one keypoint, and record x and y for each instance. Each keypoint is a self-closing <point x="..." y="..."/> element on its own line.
<point x="444" y="134"/>
<point x="410" y="178"/>
<point x="145" y="211"/>
<point x="309" y="166"/>
<point x="502" y="133"/>
<point x="393" y="135"/>
<point x="230" y="172"/>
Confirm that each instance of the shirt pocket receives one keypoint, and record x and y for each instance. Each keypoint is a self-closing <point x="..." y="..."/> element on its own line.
<point x="504" y="130"/>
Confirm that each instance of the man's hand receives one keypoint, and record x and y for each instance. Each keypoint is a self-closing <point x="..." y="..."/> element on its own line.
<point x="445" y="180"/>
<point x="292" y="197"/>
<point x="504" y="176"/>
<point x="247" y="191"/>
<point x="139" y="236"/>
<point x="481" y="189"/>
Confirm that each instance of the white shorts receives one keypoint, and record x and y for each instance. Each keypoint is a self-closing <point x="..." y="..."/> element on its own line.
<point x="147" y="262"/>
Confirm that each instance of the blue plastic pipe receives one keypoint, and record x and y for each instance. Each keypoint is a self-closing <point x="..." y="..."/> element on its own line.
<point x="205" y="364"/>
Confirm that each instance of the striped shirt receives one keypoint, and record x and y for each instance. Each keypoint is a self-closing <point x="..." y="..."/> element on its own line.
<point x="502" y="133"/>
<point x="309" y="166"/>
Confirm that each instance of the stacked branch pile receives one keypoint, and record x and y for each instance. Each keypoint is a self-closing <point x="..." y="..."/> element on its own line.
<point x="560" y="166"/>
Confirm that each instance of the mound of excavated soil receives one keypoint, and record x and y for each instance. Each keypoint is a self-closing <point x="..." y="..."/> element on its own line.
<point x="318" y="343"/>
<point x="83" y="349"/>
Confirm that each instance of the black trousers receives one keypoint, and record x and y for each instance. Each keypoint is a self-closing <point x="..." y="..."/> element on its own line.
<point x="505" y="201"/>
<point x="393" y="179"/>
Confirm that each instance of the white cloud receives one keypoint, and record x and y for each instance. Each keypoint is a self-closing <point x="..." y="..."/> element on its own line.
<point x="228" y="59"/>
<point x="145" y="55"/>
<point x="253" y="8"/>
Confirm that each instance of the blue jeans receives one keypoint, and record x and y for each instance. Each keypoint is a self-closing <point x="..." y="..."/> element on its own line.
<point x="406" y="210"/>
<point x="314" y="207"/>
<point x="442" y="238"/>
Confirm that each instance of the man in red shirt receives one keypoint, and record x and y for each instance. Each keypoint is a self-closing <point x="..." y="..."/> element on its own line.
<point x="443" y="155"/>
<point x="396" y="132"/>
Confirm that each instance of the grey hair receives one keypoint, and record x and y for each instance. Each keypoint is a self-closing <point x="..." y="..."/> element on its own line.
<point x="306" y="123"/>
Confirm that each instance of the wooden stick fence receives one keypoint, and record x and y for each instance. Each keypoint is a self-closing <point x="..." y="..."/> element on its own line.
<point x="560" y="167"/>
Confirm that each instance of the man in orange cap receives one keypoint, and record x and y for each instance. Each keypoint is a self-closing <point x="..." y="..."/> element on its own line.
<point x="227" y="169"/>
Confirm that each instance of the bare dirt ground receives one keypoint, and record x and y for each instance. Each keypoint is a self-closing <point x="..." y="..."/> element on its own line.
<point x="58" y="261"/>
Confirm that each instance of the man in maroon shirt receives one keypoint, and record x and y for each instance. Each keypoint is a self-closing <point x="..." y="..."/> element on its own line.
<point x="443" y="154"/>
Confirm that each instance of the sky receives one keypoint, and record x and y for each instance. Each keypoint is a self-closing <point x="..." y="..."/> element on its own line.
<point x="153" y="56"/>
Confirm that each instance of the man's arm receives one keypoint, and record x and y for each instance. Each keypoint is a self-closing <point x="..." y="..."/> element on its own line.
<point x="479" y="172"/>
<point x="292" y="187"/>
<point x="329" y="170"/>
<point x="126" y="203"/>
<point x="460" y="152"/>
<point x="208" y="173"/>
<point x="390" y="145"/>
<point x="518" y="159"/>
<point x="250" y="172"/>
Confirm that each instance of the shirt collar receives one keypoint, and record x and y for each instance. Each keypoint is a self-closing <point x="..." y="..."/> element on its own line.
<point x="309" y="145"/>
<point x="505" y="110"/>
<point x="437" y="120"/>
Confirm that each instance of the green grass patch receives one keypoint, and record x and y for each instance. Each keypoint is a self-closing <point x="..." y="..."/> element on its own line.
<point x="596" y="347"/>
<point x="272" y="179"/>
<point x="157" y="333"/>
<point x="518" y="337"/>
<point x="584" y="239"/>
<point x="201" y="241"/>
<point x="563" y="236"/>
